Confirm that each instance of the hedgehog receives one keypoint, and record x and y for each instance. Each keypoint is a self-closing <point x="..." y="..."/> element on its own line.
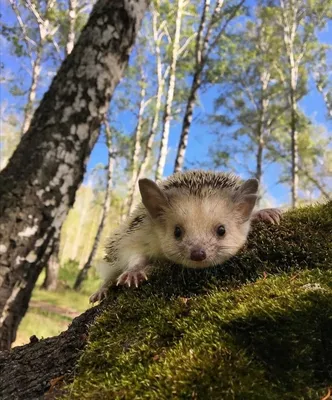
<point x="196" y="219"/>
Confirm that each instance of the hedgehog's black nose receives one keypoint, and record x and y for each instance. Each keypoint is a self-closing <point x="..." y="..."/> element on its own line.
<point x="197" y="255"/>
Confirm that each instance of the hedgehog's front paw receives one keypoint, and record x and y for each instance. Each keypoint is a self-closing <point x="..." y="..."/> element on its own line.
<point x="100" y="295"/>
<point x="133" y="277"/>
<point x="271" y="215"/>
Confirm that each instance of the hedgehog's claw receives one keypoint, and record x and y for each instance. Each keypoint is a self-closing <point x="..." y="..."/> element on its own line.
<point x="100" y="295"/>
<point x="271" y="215"/>
<point x="131" y="277"/>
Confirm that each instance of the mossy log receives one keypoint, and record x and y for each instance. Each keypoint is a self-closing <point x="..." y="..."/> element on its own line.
<point x="257" y="327"/>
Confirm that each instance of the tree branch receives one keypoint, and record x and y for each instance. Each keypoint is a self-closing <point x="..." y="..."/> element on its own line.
<point x="223" y="29"/>
<point x="43" y="26"/>
<point x="28" y="41"/>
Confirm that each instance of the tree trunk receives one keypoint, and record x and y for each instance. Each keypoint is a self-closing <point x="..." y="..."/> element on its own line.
<point x="202" y="49"/>
<point x="52" y="268"/>
<point x="35" y="72"/>
<point x="170" y="95"/>
<point x="294" y="150"/>
<point x="38" y="185"/>
<point x="327" y="97"/>
<point x="134" y="163"/>
<point x="82" y="275"/>
<point x="72" y="15"/>
<point x="182" y="147"/>
<point x="28" y="110"/>
<point x="196" y="82"/>
<point x="259" y="154"/>
<point x="30" y="371"/>
<point x="290" y="21"/>
<point x="261" y="128"/>
<point x="75" y="244"/>
<point x="160" y="90"/>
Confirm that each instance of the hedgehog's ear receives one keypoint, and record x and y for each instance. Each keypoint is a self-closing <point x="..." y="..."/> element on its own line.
<point x="246" y="197"/>
<point x="153" y="198"/>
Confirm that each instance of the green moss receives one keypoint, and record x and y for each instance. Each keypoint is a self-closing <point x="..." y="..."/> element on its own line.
<point x="223" y="333"/>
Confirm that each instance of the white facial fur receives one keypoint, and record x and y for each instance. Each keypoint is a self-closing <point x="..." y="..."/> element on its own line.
<point x="198" y="220"/>
<point x="186" y="220"/>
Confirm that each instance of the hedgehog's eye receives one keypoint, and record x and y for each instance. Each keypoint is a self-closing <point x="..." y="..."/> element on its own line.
<point x="177" y="232"/>
<point x="221" y="230"/>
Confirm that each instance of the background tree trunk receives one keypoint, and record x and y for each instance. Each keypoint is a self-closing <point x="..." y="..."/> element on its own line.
<point x="82" y="275"/>
<point x="28" y="110"/>
<point x="72" y="15"/>
<point x="52" y="267"/>
<point x="170" y="94"/>
<point x="35" y="197"/>
<point x="200" y="61"/>
<point x="290" y="17"/>
<point x="161" y="78"/>
<point x="134" y="162"/>
<point x="261" y="127"/>
<point x="202" y="49"/>
<point x="294" y="150"/>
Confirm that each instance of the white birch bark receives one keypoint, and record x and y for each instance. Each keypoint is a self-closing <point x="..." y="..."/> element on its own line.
<point x="170" y="94"/>
<point x="161" y="79"/>
<point x="46" y="32"/>
<point x="72" y="16"/>
<point x="290" y="23"/>
<point x="204" y="45"/>
<point x="82" y="275"/>
<point x="35" y="197"/>
<point x="134" y="162"/>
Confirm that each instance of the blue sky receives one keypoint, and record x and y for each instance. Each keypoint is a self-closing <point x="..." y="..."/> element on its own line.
<point x="199" y="140"/>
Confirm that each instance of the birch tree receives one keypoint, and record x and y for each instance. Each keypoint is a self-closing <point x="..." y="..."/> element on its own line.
<point x="73" y="22"/>
<point x="35" y="197"/>
<point x="211" y="28"/>
<point x="35" y="47"/>
<point x="298" y="21"/>
<point x="323" y="83"/>
<point x="82" y="275"/>
<point x="167" y="116"/>
<point x="72" y="17"/>
<point x="250" y="104"/>
<point x="315" y="166"/>
<point x="136" y="148"/>
<point x="162" y="74"/>
<point x="52" y="268"/>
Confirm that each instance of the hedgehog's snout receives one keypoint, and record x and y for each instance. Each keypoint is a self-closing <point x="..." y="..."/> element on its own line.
<point x="198" y="254"/>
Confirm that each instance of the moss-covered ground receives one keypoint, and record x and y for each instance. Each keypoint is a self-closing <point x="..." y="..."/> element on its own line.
<point x="259" y="327"/>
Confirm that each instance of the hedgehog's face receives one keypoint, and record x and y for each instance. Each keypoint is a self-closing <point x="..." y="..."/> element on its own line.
<point x="201" y="232"/>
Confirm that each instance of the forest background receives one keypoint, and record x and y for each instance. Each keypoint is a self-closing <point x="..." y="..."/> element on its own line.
<point x="241" y="86"/>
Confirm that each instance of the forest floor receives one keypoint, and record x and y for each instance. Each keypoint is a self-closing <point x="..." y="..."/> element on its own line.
<point x="50" y="312"/>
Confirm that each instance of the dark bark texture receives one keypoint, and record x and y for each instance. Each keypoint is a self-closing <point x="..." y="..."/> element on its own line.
<point x="52" y="268"/>
<point x="38" y="186"/>
<point x="30" y="371"/>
